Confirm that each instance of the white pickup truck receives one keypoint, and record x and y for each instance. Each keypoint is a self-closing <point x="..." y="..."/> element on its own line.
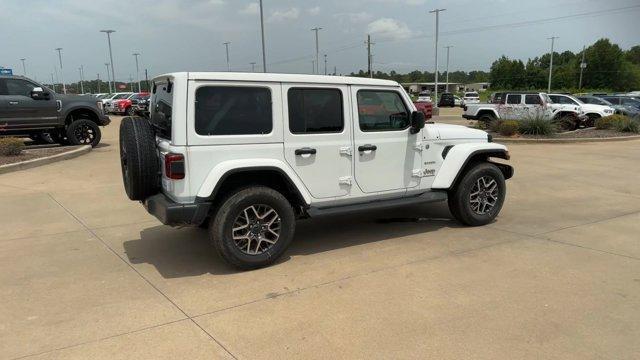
<point x="522" y="106"/>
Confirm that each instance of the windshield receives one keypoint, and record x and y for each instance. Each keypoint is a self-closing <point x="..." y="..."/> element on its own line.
<point x="471" y="94"/>
<point x="121" y="96"/>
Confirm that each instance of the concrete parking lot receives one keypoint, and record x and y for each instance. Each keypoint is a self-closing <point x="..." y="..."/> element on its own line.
<point x="87" y="274"/>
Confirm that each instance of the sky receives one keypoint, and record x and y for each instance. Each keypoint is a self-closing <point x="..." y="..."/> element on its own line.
<point x="188" y="35"/>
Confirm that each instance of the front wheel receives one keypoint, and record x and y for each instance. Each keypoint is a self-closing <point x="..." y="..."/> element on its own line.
<point x="129" y="111"/>
<point x="478" y="197"/>
<point x="253" y="227"/>
<point x="84" y="132"/>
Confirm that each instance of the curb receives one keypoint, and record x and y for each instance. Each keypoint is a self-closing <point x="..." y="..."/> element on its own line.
<point x="565" y="141"/>
<point x="28" y="164"/>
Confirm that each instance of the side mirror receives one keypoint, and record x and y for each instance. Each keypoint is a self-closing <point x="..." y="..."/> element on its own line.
<point x="38" y="93"/>
<point x="417" y="121"/>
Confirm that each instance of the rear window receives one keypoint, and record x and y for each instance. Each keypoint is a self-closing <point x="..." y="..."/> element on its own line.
<point x="514" y="99"/>
<point x="160" y="110"/>
<point x="471" y="94"/>
<point x="315" y="110"/>
<point x="233" y="110"/>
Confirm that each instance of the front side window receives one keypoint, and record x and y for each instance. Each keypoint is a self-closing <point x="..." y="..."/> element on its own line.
<point x="532" y="100"/>
<point x="227" y="110"/>
<point x="17" y="87"/>
<point x="315" y="110"/>
<point x="514" y="98"/>
<point x="382" y="111"/>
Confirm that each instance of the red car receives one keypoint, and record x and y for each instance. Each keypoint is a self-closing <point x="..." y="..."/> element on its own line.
<point x="425" y="107"/>
<point x="128" y="106"/>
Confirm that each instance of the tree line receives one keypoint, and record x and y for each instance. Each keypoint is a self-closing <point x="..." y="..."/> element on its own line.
<point x="609" y="68"/>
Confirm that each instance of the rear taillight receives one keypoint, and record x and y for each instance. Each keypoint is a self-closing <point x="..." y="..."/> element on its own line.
<point x="174" y="166"/>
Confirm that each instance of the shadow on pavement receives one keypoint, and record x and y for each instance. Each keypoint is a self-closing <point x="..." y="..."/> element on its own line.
<point x="186" y="252"/>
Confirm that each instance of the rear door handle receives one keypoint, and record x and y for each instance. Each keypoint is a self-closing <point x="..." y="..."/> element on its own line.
<point x="367" y="147"/>
<point x="13" y="102"/>
<point x="305" y="151"/>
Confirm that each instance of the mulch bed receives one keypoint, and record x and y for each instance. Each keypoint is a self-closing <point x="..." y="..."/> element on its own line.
<point x="588" y="133"/>
<point x="30" y="154"/>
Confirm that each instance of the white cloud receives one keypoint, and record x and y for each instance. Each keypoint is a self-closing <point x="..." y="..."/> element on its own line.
<point x="284" y="15"/>
<point x="390" y="29"/>
<point x="314" y="10"/>
<point x="250" y="9"/>
<point x="356" y="17"/>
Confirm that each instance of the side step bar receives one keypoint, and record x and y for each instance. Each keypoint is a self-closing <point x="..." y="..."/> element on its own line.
<point x="427" y="197"/>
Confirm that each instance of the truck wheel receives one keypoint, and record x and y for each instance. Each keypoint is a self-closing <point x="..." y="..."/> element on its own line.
<point x="486" y="119"/>
<point x="59" y="136"/>
<point x="478" y="197"/>
<point x="591" y="120"/>
<point x="138" y="158"/>
<point x="129" y="111"/>
<point x="84" y="132"/>
<point x="253" y="227"/>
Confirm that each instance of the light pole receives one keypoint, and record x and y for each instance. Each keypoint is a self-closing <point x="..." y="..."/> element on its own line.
<point x="315" y="69"/>
<point x="108" y="78"/>
<point x="226" y="45"/>
<point x="99" y="89"/>
<point x="24" y="67"/>
<point x="448" y="47"/>
<point x="113" y="73"/>
<point x="264" y="56"/>
<point x="137" y="70"/>
<point x="253" y="67"/>
<point x="553" y="39"/>
<point x="437" y="12"/>
<point x="325" y="64"/>
<point x="53" y="83"/>
<point x="583" y="65"/>
<point x="81" y="70"/>
<point x="64" y="87"/>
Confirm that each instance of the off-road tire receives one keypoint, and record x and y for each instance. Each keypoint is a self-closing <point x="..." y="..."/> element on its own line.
<point x="486" y="119"/>
<point x="60" y="137"/>
<point x="221" y="226"/>
<point x="138" y="159"/>
<point x="84" y="132"/>
<point x="129" y="111"/>
<point x="591" y="120"/>
<point x="460" y="197"/>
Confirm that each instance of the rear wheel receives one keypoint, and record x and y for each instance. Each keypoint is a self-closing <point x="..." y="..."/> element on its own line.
<point x="478" y="197"/>
<point x="84" y="132"/>
<point x="129" y="111"/>
<point x="486" y="119"/>
<point x="253" y="227"/>
<point x="591" y="120"/>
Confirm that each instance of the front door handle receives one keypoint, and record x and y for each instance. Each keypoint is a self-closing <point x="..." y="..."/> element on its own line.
<point x="13" y="102"/>
<point x="367" y="147"/>
<point x="305" y="151"/>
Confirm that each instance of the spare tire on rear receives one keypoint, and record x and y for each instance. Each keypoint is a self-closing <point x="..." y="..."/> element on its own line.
<point x="138" y="159"/>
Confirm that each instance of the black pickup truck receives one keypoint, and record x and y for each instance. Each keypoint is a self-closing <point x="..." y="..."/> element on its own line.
<point x="31" y="109"/>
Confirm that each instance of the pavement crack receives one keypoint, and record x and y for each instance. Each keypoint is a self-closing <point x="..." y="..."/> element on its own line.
<point x="106" y="245"/>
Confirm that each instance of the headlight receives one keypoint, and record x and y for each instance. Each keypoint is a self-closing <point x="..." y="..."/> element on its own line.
<point x="608" y="111"/>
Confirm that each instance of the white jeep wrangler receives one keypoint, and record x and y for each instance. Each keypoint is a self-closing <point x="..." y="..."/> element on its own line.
<point x="247" y="154"/>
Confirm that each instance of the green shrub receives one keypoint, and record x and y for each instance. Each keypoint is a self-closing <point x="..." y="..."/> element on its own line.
<point x="537" y="126"/>
<point x="10" y="146"/>
<point x="628" y="125"/>
<point x="610" y="122"/>
<point x="495" y="125"/>
<point x="508" y="127"/>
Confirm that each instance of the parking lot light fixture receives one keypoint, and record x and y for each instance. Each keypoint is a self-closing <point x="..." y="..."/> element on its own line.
<point x="64" y="87"/>
<point x="437" y="12"/>
<point x="317" y="66"/>
<point x="264" y="56"/>
<point x="448" y="48"/>
<point x="113" y="73"/>
<point x="137" y="70"/>
<point x="553" y="39"/>
<point x="108" y="78"/>
<point x="24" y="67"/>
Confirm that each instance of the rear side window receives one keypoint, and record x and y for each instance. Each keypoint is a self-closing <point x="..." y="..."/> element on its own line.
<point x="532" y="100"/>
<point x="514" y="98"/>
<point x="315" y="110"/>
<point x="161" y="108"/>
<point x="227" y="110"/>
<point x="381" y="111"/>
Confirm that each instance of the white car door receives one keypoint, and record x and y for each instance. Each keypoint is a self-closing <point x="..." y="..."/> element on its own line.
<point x="385" y="154"/>
<point x="317" y="136"/>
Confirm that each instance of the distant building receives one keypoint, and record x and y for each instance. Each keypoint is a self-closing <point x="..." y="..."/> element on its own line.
<point x="417" y="87"/>
<point x="481" y="86"/>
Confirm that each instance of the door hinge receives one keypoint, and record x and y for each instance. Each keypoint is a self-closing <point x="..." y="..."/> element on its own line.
<point x="417" y="173"/>
<point x="418" y="146"/>
<point x="346" y="150"/>
<point x="345" y="180"/>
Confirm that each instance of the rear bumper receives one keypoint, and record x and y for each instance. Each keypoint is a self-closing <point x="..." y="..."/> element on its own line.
<point x="172" y="213"/>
